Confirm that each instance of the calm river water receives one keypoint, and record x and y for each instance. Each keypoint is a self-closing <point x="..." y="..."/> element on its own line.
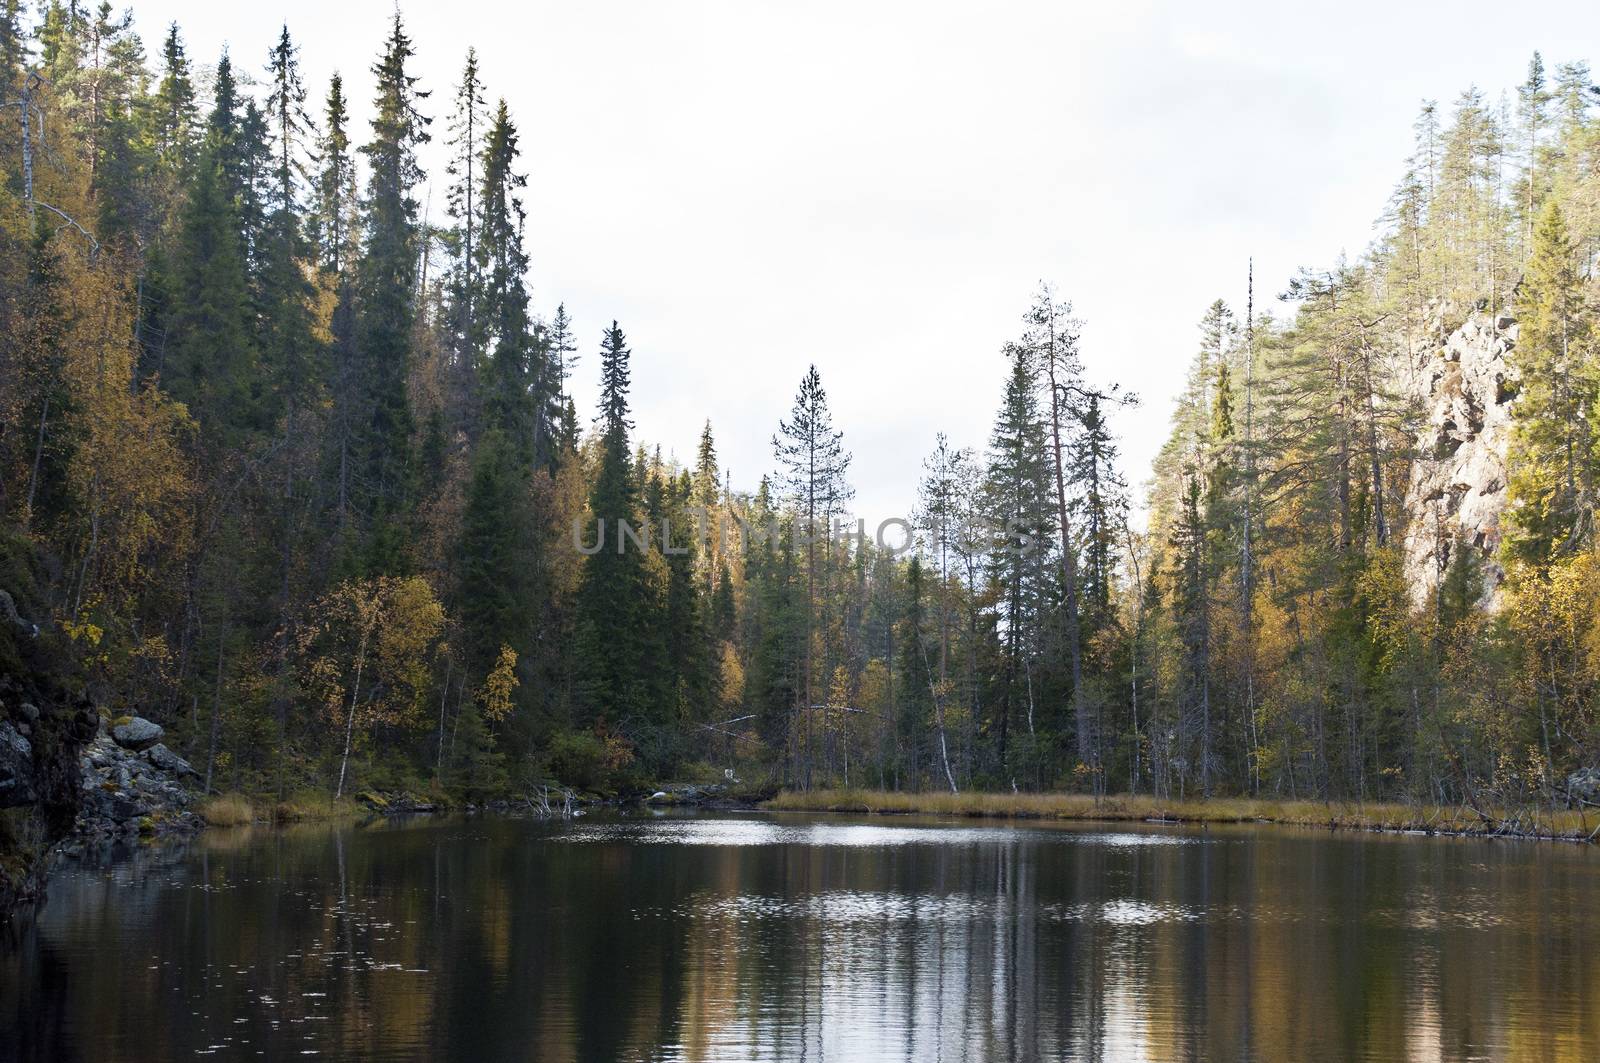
<point x="806" y="938"/>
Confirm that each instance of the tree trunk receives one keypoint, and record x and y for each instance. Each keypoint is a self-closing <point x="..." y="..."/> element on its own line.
<point x="350" y="719"/>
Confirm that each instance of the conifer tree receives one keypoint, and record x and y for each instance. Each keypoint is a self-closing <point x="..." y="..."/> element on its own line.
<point x="292" y="127"/>
<point x="514" y="384"/>
<point x="211" y="367"/>
<point x="774" y="627"/>
<point x="116" y="84"/>
<point x="255" y="189"/>
<point x="60" y="34"/>
<point x="1053" y="336"/>
<point x="1102" y="503"/>
<point x="495" y="563"/>
<point x="814" y="462"/>
<point x="13" y="46"/>
<point x="332" y="227"/>
<point x="176" y="116"/>
<point x="236" y="134"/>
<point x="1191" y="579"/>
<point x="386" y="299"/>
<point x="469" y="125"/>
<point x="612" y="600"/>
<point x="1017" y="504"/>
<point x="684" y="615"/>
<point x="561" y="350"/>
<point x="1533" y="101"/>
<point x="706" y="474"/>
<point x="287" y="330"/>
<point x="1553" y="458"/>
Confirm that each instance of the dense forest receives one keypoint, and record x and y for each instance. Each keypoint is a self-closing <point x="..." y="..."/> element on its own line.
<point x="317" y="485"/>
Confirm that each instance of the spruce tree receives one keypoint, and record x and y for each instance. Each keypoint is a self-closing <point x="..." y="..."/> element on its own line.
<point x="814" y="463"/>
<point x="60" y="34"/>
<point x="236" y="135"/>
<point x="515" y="399"/>
<point x="1533" y="102"/>
<point x="706" y="476"/>
<point x="386" y="308"/>
<point x="1553" y="460"/>
<point x="176" y="117"/>
<point x="561" y="351"/>
<point x="776" y="631"/>
<point x="468" y="127"/>
<point x="123" y="151"/>
<point x="255" y="190"/>
<point x="289" y="347"/>
<point x="13" y="46"/>
<point x="332" y="227"/>
<point x="1017" y="504"/>
<point x="497" y="593"/>
<point x="1191" y="578"/>
<point x="292" y="127"/>
<point x="212" y="362"/>
<point x="612" y="590"/>
<point x="688" y="650"/>
<point x="1102" y="504"/>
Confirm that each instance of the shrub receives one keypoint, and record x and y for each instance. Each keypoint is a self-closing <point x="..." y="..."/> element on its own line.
<point x="578" y="759"/>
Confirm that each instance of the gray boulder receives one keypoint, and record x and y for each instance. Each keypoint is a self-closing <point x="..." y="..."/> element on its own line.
<point x="137" y="734"/>
<point x="1584" y="785"/>
<point x="168" y="761"/>
<point x="16" y="768"/>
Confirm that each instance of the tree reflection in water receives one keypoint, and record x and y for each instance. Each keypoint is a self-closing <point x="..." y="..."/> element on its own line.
<point x="752" y="937"/>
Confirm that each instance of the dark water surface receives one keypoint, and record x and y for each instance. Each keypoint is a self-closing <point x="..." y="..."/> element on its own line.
<point x="803" y="938"/>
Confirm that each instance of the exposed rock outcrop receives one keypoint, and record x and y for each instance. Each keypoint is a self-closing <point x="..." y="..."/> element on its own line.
<point x="1584" y="785"/>
<point x="1457" y="492"/>
<point x="16" y="767"/>
<point x="39" y="788"/>
<point x="395" y="803"/>
<point x="44" y="721"/>
<point x="134" y="791"/>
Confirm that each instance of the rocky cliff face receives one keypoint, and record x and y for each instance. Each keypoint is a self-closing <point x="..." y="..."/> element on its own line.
<point x="44" y="723"/>
<point x="1457" y="492"/>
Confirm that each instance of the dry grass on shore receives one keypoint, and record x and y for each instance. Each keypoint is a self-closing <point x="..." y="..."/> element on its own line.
<point x="227" y="810"/>
<point x="1338" y="815"/>
<point x="236" y="810"/>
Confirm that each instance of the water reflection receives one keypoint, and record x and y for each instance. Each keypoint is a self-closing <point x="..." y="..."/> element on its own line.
<point x="677" y="830"/>
<point x="737" y="938"/>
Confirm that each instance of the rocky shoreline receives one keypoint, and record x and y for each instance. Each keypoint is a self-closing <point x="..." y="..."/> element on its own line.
<point x="134" y="785"/>
<point x="116" y="782"/>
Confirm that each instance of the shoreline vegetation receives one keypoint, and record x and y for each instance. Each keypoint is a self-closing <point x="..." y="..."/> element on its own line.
<point x="1457" y="820"/>
<point x="1529" y="824"/>
<point x="237" y="810"/>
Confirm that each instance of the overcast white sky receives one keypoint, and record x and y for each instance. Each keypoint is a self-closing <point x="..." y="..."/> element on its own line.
<point x="750" y="187"/>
